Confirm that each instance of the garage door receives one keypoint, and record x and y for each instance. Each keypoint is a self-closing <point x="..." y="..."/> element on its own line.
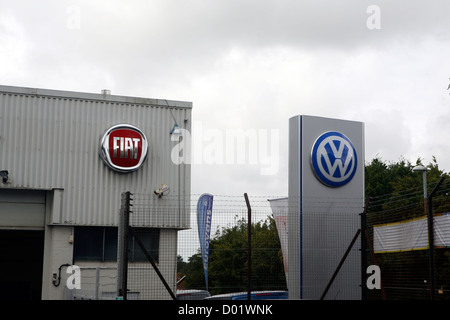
<point x="22" y="218"/>
<point x="22" y="209"/>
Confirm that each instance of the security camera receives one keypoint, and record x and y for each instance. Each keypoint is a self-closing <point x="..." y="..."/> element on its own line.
<point x="161" y="191"/>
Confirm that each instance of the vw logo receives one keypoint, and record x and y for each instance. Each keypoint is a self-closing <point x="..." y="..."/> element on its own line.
<point x="333" y="159"/>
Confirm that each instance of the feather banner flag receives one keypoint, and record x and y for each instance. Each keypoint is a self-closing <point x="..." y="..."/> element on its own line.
<point x="204" y="215"/>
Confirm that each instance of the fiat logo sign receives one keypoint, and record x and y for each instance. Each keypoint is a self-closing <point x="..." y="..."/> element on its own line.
<point x="123" y="148"/>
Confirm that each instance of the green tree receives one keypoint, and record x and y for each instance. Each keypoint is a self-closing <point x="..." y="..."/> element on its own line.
<point x="378" y="178"/>
<point x="395" y="185"/>
<point x="228" y="258"/>
<point x="193" y="270"/>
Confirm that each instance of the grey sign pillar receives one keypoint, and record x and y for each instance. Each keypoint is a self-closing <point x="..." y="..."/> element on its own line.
<point x="326" y="196"/>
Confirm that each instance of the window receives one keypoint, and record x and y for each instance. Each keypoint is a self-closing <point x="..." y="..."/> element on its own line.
<point x="150" y="239"/>
<point x="89" y="244"/>
<point x="100" y="244"/>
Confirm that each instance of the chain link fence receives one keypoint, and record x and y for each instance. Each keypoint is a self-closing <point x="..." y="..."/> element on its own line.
<point x="164" y="261"/>
<point x="397" y="226"/>
<point x="153" y="269"/>
<point x="229" y="249"/>
<point x="234" y="266"/>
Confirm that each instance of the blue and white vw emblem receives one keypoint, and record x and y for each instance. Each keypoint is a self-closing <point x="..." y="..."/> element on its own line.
<point x="333" y="159"/>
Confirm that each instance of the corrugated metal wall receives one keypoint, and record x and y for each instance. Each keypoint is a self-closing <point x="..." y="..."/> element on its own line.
<point x="50" y="140"/>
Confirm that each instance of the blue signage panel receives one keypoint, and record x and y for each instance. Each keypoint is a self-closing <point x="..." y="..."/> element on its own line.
<point x="204" y="215"/>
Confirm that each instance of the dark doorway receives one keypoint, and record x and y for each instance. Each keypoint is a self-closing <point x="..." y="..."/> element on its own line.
<point x="21" y="259"/>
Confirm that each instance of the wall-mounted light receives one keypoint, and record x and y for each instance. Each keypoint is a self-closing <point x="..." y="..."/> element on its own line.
<point x="56" y="278"/>
<point x="176" y="129"/>
<point x="175" y="133"/>
<point x="421" y="168"/>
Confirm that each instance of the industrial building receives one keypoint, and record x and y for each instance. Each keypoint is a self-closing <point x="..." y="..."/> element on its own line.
<point x="65" y="159"/>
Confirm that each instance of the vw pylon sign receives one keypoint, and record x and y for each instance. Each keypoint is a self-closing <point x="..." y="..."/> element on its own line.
<point x="334" y="159"/>
<point x="325" y="199"/>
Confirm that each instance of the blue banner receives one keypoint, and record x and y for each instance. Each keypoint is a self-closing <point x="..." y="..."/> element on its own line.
<point x="204" y="214"/>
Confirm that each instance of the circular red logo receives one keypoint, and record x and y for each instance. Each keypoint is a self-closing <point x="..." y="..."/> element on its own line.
<point x="123" y="148"/>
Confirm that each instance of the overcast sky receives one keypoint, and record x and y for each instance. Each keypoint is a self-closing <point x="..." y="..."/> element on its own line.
<point x="250" y="65"/>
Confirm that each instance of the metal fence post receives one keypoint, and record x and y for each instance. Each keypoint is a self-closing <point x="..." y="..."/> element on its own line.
<point x="249" y="247"/>
<point x="431" y="237"/>
<point x="364" y="250"/>
<point x="122" y="257"/>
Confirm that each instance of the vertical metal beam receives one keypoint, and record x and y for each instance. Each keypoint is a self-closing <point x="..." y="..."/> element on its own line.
<point x="431" y="246"/>
<point x="431" y="237"/>
<point x="364" y="250"/>
<point x="249" y="247"/>
<point x="123" y="242"/>
<point x="425" y="191"/>
<point x="374" y="260"/>
<point x="97" y="283"/>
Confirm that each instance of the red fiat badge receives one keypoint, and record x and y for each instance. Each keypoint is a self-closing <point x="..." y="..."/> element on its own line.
<point x="124" y="148"/>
